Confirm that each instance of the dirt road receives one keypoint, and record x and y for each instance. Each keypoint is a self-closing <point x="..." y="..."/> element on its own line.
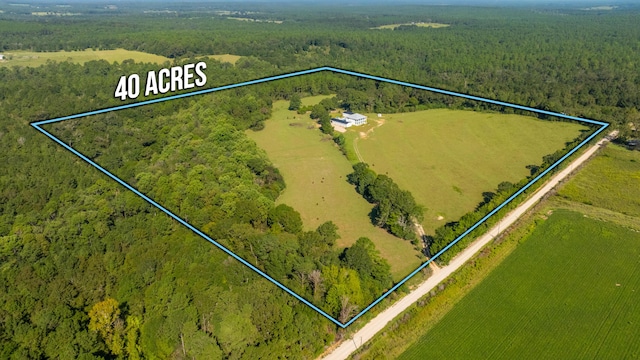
<point x="376" y="324"/>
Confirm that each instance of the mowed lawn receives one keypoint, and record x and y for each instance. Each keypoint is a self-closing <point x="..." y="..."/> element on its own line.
<point x="569" y="291"/>
<point x="448" y="158"/>
<point x="315" y="172"/>
<point x="610" y="181"/>
<point x="33" y="59"/>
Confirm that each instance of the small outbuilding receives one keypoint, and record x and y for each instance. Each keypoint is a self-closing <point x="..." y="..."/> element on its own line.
<point x="1" y="56"/>
<point x="341" y="122"/>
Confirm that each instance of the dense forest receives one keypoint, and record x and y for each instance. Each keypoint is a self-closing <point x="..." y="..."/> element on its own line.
<point x="89" y="270"/>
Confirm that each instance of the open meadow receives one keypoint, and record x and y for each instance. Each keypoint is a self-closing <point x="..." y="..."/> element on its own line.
<point x="33" y="58"/>
<point x="569" y="291"/>
<point x="230" y="58"/>
<point x="315" y="172"/>
<point x="611" y="181"/>
<point x="448" y="158"/>
<point x="420" y="24"/>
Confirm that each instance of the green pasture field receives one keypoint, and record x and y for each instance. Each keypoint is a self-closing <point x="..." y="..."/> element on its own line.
<point x="315" y="172"/>
<point x="610" y="181"/>
<point x="569" y="291"/>
<point x="421" y="24"/>
<point x="448" y="158"/>
<point x="33" y="59"/>
<point x="225" y="58"/>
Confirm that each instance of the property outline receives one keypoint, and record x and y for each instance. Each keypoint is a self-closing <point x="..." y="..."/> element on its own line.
<point x="37" y="125"/>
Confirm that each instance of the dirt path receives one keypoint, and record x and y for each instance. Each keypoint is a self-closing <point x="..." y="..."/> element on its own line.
<point x="368" y="331"/>
<point x="364" y="135"/>
<point x="434" y="267"/>
<point x="355" y="147"/>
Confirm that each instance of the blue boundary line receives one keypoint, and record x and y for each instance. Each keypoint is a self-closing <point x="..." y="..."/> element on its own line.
<point x="37" y="125"/>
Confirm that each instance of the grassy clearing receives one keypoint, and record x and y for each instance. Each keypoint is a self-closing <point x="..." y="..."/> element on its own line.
<point x="569" y="291"/>
<point x="33" y="59"/>
<point x="448" y="158"/>
<point x="255" y="20"/>
<point x="597" y="213"/>
<point x="315" y="172"/>
<point x="420" y="24"/>
<point x="54" y="13"/>
<point x="225" y="58"/>
<point x="609" y="181"/>
<point x="312" y="100"/>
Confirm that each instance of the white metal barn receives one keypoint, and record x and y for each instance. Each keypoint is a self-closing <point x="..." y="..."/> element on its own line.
<point x="355" y="118"/>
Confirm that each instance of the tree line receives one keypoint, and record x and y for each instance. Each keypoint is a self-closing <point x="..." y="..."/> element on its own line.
<point x="395" y="209"/>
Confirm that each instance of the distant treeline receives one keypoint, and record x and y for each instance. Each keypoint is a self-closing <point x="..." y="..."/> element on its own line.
<point x="562" y="63"/>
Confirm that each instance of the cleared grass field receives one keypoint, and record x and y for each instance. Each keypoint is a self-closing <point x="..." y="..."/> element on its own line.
<point x="610" y="181"/>
<point x="569" y="291"/>
<point x="225" y="58"/>
<point x="420" y="24"/>
<point x="33" y="59"/>
<point x="315" y="172"/>
<point x="255" y="20"/>
<point x="448" y="158"/>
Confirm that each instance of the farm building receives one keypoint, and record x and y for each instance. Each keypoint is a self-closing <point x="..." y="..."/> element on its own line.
<point x="349" y="119"/>
<point x="341" y="122"/>
<point x="1" y="57"/>
<point x="357" y="119"/>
